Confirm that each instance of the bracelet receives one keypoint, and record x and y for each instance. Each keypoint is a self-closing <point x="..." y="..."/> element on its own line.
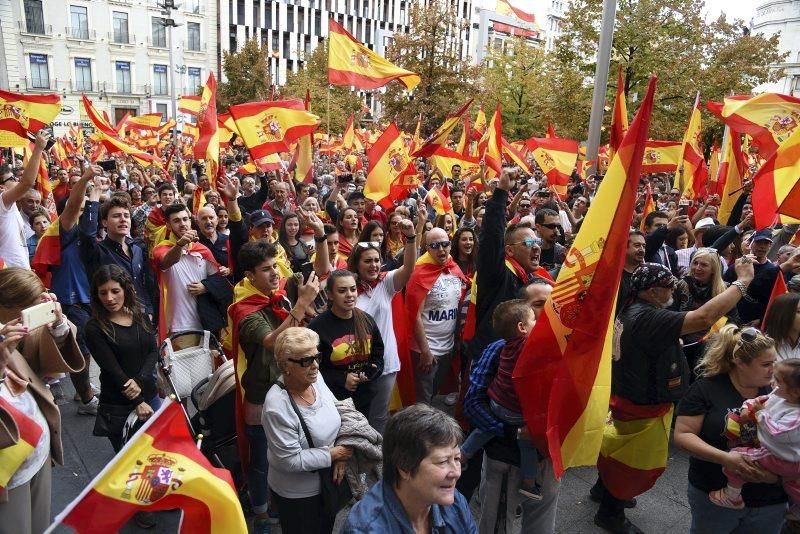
<point x="320" y="239"/>
<point x="413" y="236"/>
<point x="740" y="286"/>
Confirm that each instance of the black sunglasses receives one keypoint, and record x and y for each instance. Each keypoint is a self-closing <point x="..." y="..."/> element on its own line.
<point x="749" y="334"/>
<point x="439" y="244"/>
<point x="551" y="226"/>
<point x="307" y="361"/>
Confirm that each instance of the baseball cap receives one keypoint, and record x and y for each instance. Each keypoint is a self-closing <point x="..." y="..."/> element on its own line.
<point x="259" y="217"/>
<point x="762" y="235"/>
<point x="704" y="223"/>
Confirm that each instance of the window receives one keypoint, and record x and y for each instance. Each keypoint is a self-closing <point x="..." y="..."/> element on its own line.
<point x="83" y="74"/>
<point x="193" y="6"/>
<point x="257" y="13"/>
<point x="274" y="48"/>
<point x="268" y="16"/>
<point x="193" y="34"/>
<point x="160" y="86"/>
<point x="795" y="85"/>
<point x="123" y="69"/>
<point x="194" y="80"/>
<point x="290" y="18"/>
<point x="240" y="12"/>
<point x="34" y="17"/>
<point x="286" y="48"/>
<point x="162" y="108"/>
<point x="318" y="23"/>
<point x="120" y="27"/>
<point x="80" y="22"/>
<point x="40" y="74"/>
<point x="159" y="32"/>
<point x="301" y="21"/>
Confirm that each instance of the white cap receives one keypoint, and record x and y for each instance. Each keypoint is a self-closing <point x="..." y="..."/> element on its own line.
<point x="704" y="223"/>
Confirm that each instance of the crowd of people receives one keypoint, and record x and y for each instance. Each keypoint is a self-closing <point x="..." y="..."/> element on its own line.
<point x="338" y="312"/>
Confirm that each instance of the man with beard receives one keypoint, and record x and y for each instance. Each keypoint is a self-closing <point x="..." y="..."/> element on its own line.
<point x="634" y="257"/>
<point x="649" y="374"/>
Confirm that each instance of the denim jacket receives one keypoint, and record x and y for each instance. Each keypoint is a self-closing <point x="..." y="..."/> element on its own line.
<point x="380" y="511"/>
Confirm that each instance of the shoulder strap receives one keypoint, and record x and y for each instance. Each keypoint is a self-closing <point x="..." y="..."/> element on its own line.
<point x="299" y="416"/>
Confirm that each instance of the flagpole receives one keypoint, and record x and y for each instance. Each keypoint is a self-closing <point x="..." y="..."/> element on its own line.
<point x="328" y="113"/>
<point x="600" y="82"/>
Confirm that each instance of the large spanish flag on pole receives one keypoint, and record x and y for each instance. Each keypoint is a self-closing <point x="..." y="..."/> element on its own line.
<point x="619" y="117"/>
<point x="20" y="114"/>
<point x="774" y="182"/>
<point x="492" y="151"/>
<point x="273" y="125"/>
<point x="98" y="121"/>
<point x="769" y="118"/>
<point x="439" y="137"/>
<point x="692" y="174"/>
<point x="351" y="63"/>
<point x="207" y="145"/>
<point x="445" y="158"/>
<point x="160" y="468"/>
<point x="388" y="160"/>
<point x="563" y="376"/>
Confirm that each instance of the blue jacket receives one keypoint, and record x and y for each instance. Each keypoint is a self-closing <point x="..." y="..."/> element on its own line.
<point x="380" y="512"/>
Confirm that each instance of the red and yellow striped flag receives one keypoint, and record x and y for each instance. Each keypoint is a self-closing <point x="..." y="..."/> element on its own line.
<point x="774" y="183"/>
<point x="563" y="376"/>
<point x="619" y="117"/>
<point x="649" y="206"/>
<point x="439" y="137"/>
<point x="388" y="160"/>
<point x="98" y="121"/>
<point x="769" y="118"/>
<point x="189" y="105"/>
<point x="160" y="468"/>
<point x="20" y="114"/>
<point x="150" y="122"/>
<point x="29" y="432"/>
<point x="479" y="128"/>
<point x="556" y="157"/>
<point x="692" y="173"/>
<point x="492" y="149"/>
<point x="304" y="152"/>
<point x="465" y="140"/>
<point x="272" y="126"/>
<point x="439" y="199"/>
<point x="444" y="159"/>
<point x="661" y="156"/>
<point x="731" y="171"/>
<point x="514" y="154"/>
<point x="207" y="145"/>
<point x="352" y="63"/>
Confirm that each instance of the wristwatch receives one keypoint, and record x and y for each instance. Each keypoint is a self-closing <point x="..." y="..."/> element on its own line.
<point x="320" y="239"/>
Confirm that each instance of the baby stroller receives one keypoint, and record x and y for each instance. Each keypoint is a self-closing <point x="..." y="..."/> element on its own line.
<point x="191" y="373"/>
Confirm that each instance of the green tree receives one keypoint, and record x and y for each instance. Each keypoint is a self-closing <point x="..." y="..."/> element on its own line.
<point x="247" y="74"/>
<point x="313" y="77"/>
<point x="669" y="38"/>
<point x="432" y="49"/>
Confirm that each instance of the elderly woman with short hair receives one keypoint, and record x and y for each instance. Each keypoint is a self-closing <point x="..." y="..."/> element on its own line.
<point x="294" y="459"/>
<point x="421" y="465"/>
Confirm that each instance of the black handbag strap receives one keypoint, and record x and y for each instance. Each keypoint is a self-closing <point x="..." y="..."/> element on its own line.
<point x="299" y="416"/>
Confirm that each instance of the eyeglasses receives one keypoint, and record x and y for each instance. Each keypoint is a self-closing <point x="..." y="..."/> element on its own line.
<point x="529" y="242"/>
<point x="307" y="361"/>
<point x="439" y="244"/>
<point x="524" y="205"/>
<point x="10" y="179"/>
<point x="551" y="226"/>
<point x="369" y="244"/>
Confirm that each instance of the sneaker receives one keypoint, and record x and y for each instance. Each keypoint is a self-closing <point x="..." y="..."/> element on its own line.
<point x="722" y="498"/>
<point x="95" y="392"/>
<point x="88" y="408"/>
<point x="261" y="526"/>
<point x="274" y="516"/>
<point x="145" y="519"/>
<point x="596" y="495"/>
<point x="616" y="524"/>
<point x="450" y="399"/>
<point x="533" y="493"/>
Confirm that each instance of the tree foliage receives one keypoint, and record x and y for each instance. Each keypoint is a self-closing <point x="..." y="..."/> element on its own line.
<point x="430" y="48"/>
<point x="247" y="75"/>
<point x="314" y="78"/>
<point x="669" y="38"/>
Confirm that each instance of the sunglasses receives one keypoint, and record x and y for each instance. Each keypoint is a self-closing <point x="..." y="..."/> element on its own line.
<point x="749" y="334"/>
<point x="439" y="244"/>
<point x="369" y="244"/>
<point x="551" y="226"/>
<point x="529" y="242"/>
<point x="307" y="361"/>
<point x="524" y="205"/>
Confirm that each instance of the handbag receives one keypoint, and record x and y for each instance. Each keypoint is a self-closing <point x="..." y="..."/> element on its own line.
<point x="334" y="496"/>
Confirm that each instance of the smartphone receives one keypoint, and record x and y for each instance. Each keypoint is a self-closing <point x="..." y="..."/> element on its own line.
<point x="108" y="165"/>
<point x="683" y="207"/>
<point x="345" y="178"/>
<point x="39" y="315"/>
<point x="50" y="142"/>
<point x="306" y="269"/>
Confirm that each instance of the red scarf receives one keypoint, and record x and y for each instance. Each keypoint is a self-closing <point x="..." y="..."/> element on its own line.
<point x="522" y="275"/>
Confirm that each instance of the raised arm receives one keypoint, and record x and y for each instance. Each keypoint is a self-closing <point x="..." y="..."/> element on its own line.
<point x="19" y="189"/>
<point x="403" y="274"/>
<point x="69" y="217"/>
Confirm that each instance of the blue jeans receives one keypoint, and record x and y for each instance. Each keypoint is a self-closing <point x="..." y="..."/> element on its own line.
<point x="708" y="517"/>
<point x="528" y="457"/>
<point x="257" y="471"/>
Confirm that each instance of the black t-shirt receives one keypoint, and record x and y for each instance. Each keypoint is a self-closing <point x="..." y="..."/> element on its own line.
<point x="713" y="398"/>
<point x="754" y="305"/>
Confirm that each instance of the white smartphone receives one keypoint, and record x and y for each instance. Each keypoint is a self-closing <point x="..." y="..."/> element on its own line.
<point x="39" y="315"/>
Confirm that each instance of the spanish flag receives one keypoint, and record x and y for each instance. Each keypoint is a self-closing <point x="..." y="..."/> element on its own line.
<point x="272" y="126"/>
<point x="439" y="137"/>
<point x="439" y="199"/>
<point x="774" y="183"/>
<point x="649" y="206"/>
<point x="479" y="128"/>
<point x="692" y="175"/>
<point x="556" y="157"/>
<point x="350" y="140"/>
<point x="444" y="159"/>
<point x="778" y="289"/>
<point x="20" y="114"/>
<point x="150" y="122"/>
<point x="189" y="105"/>
<point x="492" y="149"/>
<point x="48" y="252"/>
<point x="661" y="156"/>
<point x="464" y="141"/>
<point x="160" y="468"/>
<point x="114" y="144"/>
<point x="619" y="118"/>
<point x="26" y="436"/>
<point x="207" y="145"/>
<point x="352" y="63"/>
<point x="388" y="160"/>
<point x="563" y="375"/>
<point x="512" y="153"/>
<point x="98" y="121"/>
<point x="769" y="118"/>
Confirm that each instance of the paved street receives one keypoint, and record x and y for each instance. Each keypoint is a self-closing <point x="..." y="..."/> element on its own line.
<point x="663" y="509"/>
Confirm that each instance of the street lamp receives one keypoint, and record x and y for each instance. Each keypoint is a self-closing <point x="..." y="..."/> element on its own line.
<point x="170" y="23"/>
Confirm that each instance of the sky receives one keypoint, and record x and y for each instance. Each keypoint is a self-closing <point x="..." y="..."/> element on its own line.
<point x="740" y="9"/>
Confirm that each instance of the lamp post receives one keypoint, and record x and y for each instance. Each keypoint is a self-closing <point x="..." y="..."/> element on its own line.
<point x="170" y="23"/>
<point x="600" y="81"/>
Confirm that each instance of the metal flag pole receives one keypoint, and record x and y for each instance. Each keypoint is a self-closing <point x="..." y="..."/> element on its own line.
<point x="600" y="82"/>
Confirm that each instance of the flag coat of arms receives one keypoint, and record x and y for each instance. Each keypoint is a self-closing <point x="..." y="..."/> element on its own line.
<point x="20" y="114"/>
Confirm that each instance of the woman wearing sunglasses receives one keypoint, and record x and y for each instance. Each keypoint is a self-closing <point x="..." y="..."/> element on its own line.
<point x="737" y="366"/>
<point x="378" y="296"/>
<point x="301" y="422"/>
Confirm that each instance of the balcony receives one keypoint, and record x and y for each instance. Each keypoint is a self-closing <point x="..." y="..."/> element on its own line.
<point x="80" y="34"/>
<point x="130" y="90"/>
<point x="121" y="38"/>
<point x="34" y="27"/>
<point x="37" y="84"/>
<point x="194" y="46"/>
<point x="86" y="87"/>
<point x="159" y="44"/>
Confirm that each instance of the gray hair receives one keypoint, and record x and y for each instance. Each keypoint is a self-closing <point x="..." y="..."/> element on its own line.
<point x="411" y="434"/>
<point x="292" y="342"/>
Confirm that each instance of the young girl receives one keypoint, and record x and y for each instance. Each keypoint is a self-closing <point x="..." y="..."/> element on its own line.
<point x="778" y="419"/>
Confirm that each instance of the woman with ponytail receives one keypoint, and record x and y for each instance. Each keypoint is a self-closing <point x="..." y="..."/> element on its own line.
<point x="350" y="345"/>
<point x="736" y="366"/>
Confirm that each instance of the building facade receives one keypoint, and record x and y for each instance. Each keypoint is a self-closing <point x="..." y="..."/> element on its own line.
<point x="120" y="53"/>
<point x="783" y="17"/>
